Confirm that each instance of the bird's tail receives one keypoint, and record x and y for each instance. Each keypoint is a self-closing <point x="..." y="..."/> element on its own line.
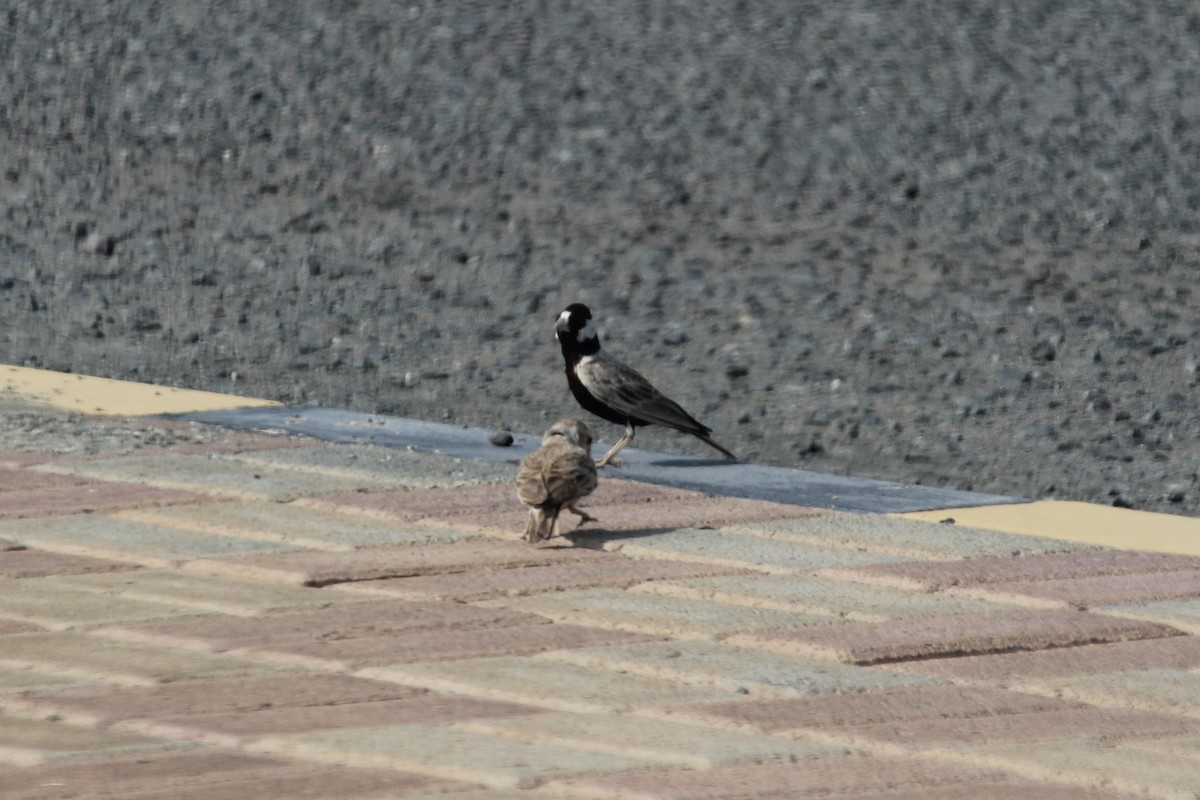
<point x="708" y="440"/>
<point x="543" y="523"/>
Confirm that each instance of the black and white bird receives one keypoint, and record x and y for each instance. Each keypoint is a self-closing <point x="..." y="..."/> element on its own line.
<point x="613" y="391"/>
<point x="556" y="476"/>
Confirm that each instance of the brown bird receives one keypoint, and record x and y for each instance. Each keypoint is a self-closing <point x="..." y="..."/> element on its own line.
<point x="609" y="389"/>
<point x="556" y="476"/>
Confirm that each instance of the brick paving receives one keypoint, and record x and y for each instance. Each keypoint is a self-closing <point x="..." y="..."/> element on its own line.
<point x="258" y="616"/>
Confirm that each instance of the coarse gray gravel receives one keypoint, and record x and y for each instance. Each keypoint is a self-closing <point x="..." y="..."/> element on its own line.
<point x="945" y="243"/>
<point x="32" y="429"/>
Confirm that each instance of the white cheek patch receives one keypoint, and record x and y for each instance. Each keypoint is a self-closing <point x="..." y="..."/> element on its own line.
<point x="587" y="332"/>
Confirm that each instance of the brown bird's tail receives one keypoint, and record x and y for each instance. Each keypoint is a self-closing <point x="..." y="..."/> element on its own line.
<point x="543" y="523"/>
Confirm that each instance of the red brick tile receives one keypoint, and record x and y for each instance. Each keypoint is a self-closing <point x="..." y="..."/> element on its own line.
<point x="207" y="775"/>
<point x="1102" y="590"/>
<point x="241" y="693"/>
<point x="1010" y="669"/>
<point x="1012" y="788"/>
<point x="858" y="776"/>
<point x="416" y="504"/>
<point x="670" y="512"/>
<point x="511" y="521"/>
<point x="24" y="480"/>
<point x="226" y="711"/>
<point x="40" y="563"/>
<point x="628" y="505"/>
<point x="955" y="635"/>
<point x="238" y="728"/>
<point x="17" y="459"/>
<point x="92" y="496"/>
<point x="911" y="704"/>
<point x="1105" y="725"/>
<point x="935" y="575"/>
<point x="475" y="585"/>
<point x="321" y="568"/>
<point x="377" y="634"/>
<point x="615" y="491"/>
<point x="12" y="626"/>
<point x="620" y="493"/>
<point x="941" y="715"/>
<point x="709" y="511"/>
<point x="513" y="640"/>
<point x="619" y="504"/>
<point x="333" y="625"/>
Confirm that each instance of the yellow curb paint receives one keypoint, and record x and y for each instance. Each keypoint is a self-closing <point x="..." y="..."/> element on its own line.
<point x="1081" y="522"/>
<point x="89" y="395"/>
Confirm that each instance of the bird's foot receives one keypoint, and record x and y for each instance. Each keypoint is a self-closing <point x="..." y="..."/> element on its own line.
<point x="583" y="515"/>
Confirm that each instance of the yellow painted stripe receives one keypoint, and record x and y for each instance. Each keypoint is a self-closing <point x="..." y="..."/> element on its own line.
<point x="1081" y="522"/>
<point x="89" y="395"/>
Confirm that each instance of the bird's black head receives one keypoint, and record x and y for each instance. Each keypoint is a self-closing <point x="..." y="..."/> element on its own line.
<point x="575" y="331"/>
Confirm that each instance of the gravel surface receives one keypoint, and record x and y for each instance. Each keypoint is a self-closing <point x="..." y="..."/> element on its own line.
<point x="30" y="429"/>
<point x="945" y="243"/>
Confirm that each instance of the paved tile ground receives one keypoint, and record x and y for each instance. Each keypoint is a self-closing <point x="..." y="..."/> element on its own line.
<point x="233" y="617"/>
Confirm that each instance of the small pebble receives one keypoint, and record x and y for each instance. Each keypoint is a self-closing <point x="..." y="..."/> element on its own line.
<point x="99" y="244"/>
<point x="1044" y="351"/>
<point x="501" y="439"/>
<point x="737" y="371"/>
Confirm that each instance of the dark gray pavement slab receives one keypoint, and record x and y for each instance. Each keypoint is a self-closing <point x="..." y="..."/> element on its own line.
<point x="718" y="477"/>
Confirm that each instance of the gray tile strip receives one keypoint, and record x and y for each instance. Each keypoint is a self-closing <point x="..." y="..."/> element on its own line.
<point x="716" y="477"/>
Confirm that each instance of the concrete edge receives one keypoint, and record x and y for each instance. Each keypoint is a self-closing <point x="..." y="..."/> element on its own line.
<point x="1089" y="523"/>
<point x="1072" y="521"/>
<point x="86" y="394"/>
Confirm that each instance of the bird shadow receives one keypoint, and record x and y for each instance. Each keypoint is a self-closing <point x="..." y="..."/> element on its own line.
<point x="596" y="538"/>
<point x="691" y="462"/>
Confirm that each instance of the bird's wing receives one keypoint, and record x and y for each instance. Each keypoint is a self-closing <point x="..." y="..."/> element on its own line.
<point x="554" y="475"/>
<point x="531" y="486"/>
<point x="627" y="391"/>
<point x="570" y="476"/>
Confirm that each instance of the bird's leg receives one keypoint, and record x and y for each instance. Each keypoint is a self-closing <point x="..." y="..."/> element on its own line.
<point x="624" y="440"/>
<point x="583" y="515"/>
<point x="531" y="526"/>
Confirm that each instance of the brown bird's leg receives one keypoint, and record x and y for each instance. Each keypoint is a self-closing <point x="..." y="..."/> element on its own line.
<point x="583" y="515"/>
<point x="624" y="440"/>
<point x="531" y="526"/>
